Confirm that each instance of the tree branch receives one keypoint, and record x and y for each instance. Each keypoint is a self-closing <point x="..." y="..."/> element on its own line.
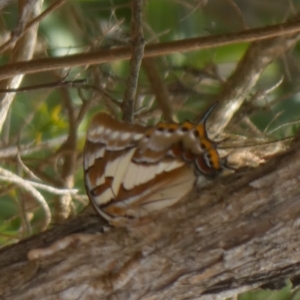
<point x="151" y="50"/>
<point x="236" y="89"/>
<point x="22" y="51"/>
<point x="235" y="235"/>
<point x="138" y="44"/>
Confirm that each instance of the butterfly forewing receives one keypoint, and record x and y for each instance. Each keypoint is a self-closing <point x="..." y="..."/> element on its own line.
<point x="131" y="170"/>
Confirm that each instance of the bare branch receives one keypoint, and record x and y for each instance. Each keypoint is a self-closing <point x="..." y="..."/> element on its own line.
<point x="160" y="90"/>
<point x="239" y="85"/>
<point x="68" y="152"/>
<point x="151" y="50"/>
<point x="138" y="44"/>
<point x="51" y="189"/>
<point x="23" y="51"/>
<point x="31" y="148"/>
<point x="29" y="187"/>
<point x="21" y="31"/>
<point x="52" y="85"/>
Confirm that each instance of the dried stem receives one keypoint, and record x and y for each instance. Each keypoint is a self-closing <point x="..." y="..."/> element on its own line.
<point x="8" y="176"/>
<point x="138" y="43"/>
<point x="159" y="88"/>
<point x="68" y="152"/>
<point x="23" y="51"/>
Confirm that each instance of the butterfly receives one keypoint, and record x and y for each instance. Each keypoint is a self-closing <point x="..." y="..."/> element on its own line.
<point x="131" y="170"/>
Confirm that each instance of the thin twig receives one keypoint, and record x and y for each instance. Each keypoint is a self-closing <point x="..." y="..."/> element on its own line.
<point x="30" y="148"/>
<point x="19" y="33"/>
<point x="11" y="177"/>
<point x="238" y="14"/>
<point x="282" y="126"/>
<point x="69" y="155"/>
<point x="272" y="121"/>
<point x="51" y="189"/>
<point x="109" y="101"/>
<point x="86" y="104"/>
<point x="160" y="90"/>
<point x="26" y="169"/>
<point x="52" y="85"/>
<point x="138" y="44"/>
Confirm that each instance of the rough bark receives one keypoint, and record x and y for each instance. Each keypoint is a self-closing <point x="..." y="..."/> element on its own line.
<point x="238" y="234"/>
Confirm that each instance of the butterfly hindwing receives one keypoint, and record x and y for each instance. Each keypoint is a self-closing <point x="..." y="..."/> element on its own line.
<point x="163" y="189"/>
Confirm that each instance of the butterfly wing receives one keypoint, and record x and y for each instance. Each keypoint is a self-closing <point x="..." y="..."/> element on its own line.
<point x="108" y="150"/>
<point x="123" y="177"/>
<point x="131" y="170"/>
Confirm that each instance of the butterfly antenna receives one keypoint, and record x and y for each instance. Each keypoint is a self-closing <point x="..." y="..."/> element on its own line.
<point x="208" y="113"/>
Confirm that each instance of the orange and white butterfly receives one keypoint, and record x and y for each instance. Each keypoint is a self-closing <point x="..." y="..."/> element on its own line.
<point x="131" y="169"/>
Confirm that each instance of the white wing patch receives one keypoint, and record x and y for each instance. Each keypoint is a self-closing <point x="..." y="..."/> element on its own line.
<point x="146" y="173"/>
<point x="100" y="180"/>
<point x="99" y="153"/>
<point x="91" y="156"/>
<point x="174" y="165"/>
<point x="131" y="174"/>
<point x="89" y="160"/>
<point x="137" y="174"/>
<point x="95" y="131"/>
<point x="162" y="166"/>
<point x="169" y="194"/>
<point x="114" y="135"/>
<point x="137" y="136"/>
<point x="105" y="197"/>
<point x="107" y="133"/>
<point x="122" y="169"/>
<point x="156" y="197"/>
<point x="125" y="136"/>
<point x="112" y="167"/>
<point x="88" y="182"/>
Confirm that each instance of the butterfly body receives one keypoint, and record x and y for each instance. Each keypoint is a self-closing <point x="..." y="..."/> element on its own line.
<point x="131" y="170"/>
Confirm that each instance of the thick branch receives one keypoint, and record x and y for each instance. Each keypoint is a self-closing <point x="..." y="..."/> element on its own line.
<point x="238" y="234"/>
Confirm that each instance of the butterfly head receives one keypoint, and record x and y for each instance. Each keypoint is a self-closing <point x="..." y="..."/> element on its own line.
<point x="209" y="162"/>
